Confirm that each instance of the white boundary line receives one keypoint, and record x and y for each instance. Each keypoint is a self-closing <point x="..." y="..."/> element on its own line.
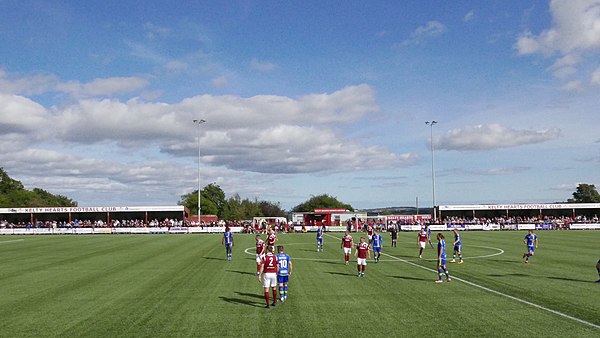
<point x="564" y="315"/>
<point x="11" y="241"/>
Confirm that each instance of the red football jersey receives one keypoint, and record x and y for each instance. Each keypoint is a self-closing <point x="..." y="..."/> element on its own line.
<point x="362" y="249"/>
<point x="271" y="240"/>
<point x="269" y="262"/>
<point x="347" y="240"/>
<point x="370" y="230"/>
<point x="260" y="245"/>
<point x="422" y="236"/>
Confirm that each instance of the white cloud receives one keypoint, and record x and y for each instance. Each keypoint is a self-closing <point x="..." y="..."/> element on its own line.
<point x="576" y="27"/>
<point x="565" y="66"/>
<point x="113" y="85"/>
<point x="498" y="171"/>
<point x="430" y="30"/>
<point x="262" y="66"/>
<point x="266" y="133"/>
<point x="26" y="85"/>
<point x="596" y="77"/>
<point x="20" y="115"/>
<point x="565" y="187"/>
<point x="155" y="31"/>
<point x="491" y="136"/>
<point x="470" y="16"/>
<point x="220" y="81"/>
<point x="574" y="36"/>
<point x="43" y="83"/>
<point x="176" y="66"/>
<point x="572" y="86"/>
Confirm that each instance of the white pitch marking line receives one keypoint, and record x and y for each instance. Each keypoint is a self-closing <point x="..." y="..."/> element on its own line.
<point x="564" y="315"/>
<point x="11" y="241"/>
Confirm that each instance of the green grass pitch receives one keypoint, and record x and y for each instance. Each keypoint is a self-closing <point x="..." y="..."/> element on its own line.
<point x="181" y="285"/>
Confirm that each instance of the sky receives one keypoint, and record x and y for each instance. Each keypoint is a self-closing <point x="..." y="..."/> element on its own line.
<point x="301" y="98"/>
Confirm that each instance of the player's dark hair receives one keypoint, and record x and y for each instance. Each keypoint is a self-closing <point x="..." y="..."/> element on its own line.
<point x="440" y="236"/>
<point x="280" y="248"/>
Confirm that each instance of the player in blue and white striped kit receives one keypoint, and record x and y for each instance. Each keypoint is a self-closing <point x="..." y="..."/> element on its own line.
<point x="457" y="248"/>
<point x="531" y="241"/>
<point x="228" y="241"/>
<point x="376" y="244"/>
<point x="320" y="238"/>
<point x="285" y="271"/>
<point x="441" y="264"/>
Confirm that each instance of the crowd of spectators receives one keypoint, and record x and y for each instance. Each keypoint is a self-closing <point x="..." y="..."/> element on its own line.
<point x="126" y="223"/>
<point x="560" y="222"/>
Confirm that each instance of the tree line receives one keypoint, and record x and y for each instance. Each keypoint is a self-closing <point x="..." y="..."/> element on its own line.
<point x="214" y="202"/>
<point x="14" y="195"/>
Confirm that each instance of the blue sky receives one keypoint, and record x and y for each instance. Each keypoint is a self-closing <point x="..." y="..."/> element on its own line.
<point x="301" y="98"/>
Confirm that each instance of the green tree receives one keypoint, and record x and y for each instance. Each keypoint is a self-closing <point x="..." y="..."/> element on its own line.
<point x="50" y="200"/>
<point x="585" y="193"/>
<point x="271" y="209"/>
<point x="216" y="195"/>
<point x="211" y="197"/>
<point x="13" y="194"/>
<point x="8" y="184"/>
<point x="241" y="209"/>
<point x="322" y="201"/>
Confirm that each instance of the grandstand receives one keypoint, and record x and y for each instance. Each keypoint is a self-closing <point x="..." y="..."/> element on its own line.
<point x="522" y="216"/>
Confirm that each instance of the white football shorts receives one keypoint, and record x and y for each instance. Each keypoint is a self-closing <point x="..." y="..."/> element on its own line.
<point x="270" y="279"/>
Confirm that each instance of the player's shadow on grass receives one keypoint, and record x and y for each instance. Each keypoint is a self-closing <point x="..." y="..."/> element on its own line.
<point x="507" y="260"/>
<point x="249" y="295"/>
<point x="410" y="278"/>
<point x="510" y="274"/>
<point x="571" y="279"/>
<point x="341" y="273"/>
<point x="329" y="262"/>
<point x="242" y="272"/>
<point x="214" y="258"/>
<point x="242" y="301"/>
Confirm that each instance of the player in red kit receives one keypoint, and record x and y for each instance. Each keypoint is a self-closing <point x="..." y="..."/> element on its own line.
<point x="422" y="238"/>
<point x="370" y="232"/>
<point x="361" y="253"/>
<point x="269" y="267"/>
<point x="271" y="239"/>
<point x="347" y="244"/>
<point x="260" y="250"/>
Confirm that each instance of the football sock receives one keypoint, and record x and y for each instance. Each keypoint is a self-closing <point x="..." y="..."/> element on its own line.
<point x="281" y="292"/>
<point x="446" y="272"/>
<point x="267" y="297"/>
<point x="274" y="295"/>
<point x="440" y="273"/>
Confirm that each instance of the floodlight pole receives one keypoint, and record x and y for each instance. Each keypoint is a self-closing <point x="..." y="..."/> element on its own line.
<point x="199" y="122"/>
<point x="431" y="124"/>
